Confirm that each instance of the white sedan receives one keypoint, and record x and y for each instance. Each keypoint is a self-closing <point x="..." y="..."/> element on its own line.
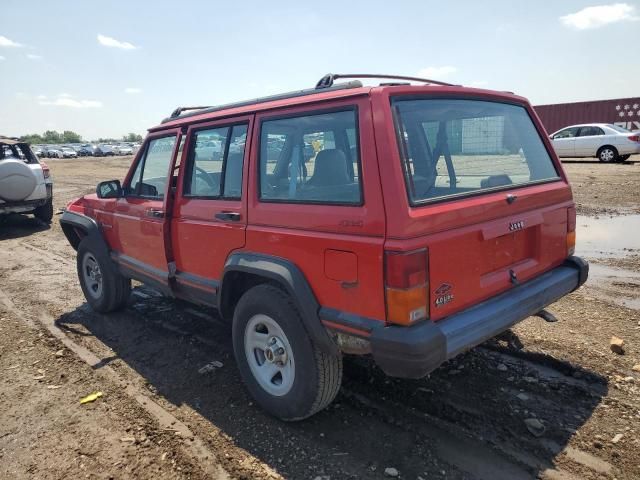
<point x="605" y="141"/>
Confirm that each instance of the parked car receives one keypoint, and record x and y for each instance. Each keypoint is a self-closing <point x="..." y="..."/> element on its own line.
<point x="67" y="152"/>
<point x="122" y="150"/>
<point x="606" y="142"/>
<point x="86" y="150"/>
<point x="431" y="218"/>
<point x="38" y="151"/>
<point x="103" y="151"/>
<point x="26" y="185"/>
<point x="54" y="152"/>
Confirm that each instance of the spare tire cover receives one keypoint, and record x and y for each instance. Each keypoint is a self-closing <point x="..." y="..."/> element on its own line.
<point x="17" y="181"/>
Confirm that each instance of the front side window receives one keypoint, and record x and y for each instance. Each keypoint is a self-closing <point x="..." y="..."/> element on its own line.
<point x="150" y="176"/>
<point x="460" y="147"/>
<point x="311" y="159"/>
<point x="566" y="133"/>
<point x="215" y="166"/>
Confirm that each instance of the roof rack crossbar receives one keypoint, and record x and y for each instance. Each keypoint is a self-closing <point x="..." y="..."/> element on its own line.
<point x="329" y="78"/>
<point x="178" y="112"/>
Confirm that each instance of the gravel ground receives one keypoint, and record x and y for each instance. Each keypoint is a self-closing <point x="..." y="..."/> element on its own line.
<point x="159" y="418"/>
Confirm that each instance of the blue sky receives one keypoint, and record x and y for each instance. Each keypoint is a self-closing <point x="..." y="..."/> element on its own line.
<point x="108" y="68"/>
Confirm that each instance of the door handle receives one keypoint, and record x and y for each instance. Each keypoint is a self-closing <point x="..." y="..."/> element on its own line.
<point x="154" y="213"/>
<point x="228" y="216"/>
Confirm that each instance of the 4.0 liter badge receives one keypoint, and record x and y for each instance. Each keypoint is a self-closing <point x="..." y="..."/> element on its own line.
<point x="443" y="294"/>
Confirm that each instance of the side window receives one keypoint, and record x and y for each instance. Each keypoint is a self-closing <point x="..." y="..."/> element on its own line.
<point x="590" y="131"/>
<point x="215" y="164"/>
<point x="566" y="133"/>
<point x="311" y="159"/>
<point x="150" y="176"/>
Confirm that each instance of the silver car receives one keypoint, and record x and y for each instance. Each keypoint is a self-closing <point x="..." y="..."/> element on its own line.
<point x="605" y="141"/>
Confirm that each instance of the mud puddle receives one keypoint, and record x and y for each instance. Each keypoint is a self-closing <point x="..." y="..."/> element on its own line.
<point x="605" y="240"/>
<point x="614" y="237"/>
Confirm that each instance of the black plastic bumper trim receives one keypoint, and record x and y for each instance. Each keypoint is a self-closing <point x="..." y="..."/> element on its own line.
<point x="413" y="352"/>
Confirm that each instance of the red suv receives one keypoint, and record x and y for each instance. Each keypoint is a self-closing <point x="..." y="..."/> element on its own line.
<point x="409" y="222"/>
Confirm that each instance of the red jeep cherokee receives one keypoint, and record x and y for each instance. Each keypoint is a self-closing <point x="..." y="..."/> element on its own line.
<point x="409" y="222"/>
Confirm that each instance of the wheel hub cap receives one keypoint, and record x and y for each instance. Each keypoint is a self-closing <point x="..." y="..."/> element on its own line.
<point x="269" y="355"/>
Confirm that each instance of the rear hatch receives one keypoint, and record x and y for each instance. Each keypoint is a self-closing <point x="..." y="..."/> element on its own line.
<point x="486" y="200"/>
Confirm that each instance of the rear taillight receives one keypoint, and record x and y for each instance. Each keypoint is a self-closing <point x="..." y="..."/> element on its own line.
<point x="634" y="138"/>
<point x="571" y="230"/>
<point x="406" y="286"/>
<point x="45" y="170"/>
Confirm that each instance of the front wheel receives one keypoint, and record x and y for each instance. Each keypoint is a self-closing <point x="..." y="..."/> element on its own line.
<point x="103" y="286"/>
<point x="286" y="373"/>
<point x="607" y="154"/>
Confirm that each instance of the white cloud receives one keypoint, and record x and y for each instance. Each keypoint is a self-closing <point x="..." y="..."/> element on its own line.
<point x="479" y="83"/>
<point x="436" y="73"/>
<point x="112" y="42"/>
<point x="5" y="42"/>
<point x="65" y="100"/>
<point x="31" y="56"/>
<point x="599" y="16"/>
<point x="132" y="90"/>
<point x="2" y="58"/>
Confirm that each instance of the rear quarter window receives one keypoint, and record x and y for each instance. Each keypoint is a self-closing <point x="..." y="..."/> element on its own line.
<point x="312" y="158"/>
<point x="463" y="147"/>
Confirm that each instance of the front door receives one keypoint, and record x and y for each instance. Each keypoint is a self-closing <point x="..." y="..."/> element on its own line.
<point x="140" y="220"/>
<point x="210" y="211"/>
<point x="564" y="142"/>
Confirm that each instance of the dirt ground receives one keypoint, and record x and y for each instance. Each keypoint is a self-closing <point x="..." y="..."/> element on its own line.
<point x="159" y="417"/>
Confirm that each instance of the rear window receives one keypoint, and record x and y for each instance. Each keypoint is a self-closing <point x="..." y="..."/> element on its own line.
<point x="461" y="147"/>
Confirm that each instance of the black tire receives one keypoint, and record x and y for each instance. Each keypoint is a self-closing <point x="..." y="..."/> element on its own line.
<point x="44" y="213"/>
<point x="607" y="154"/>
<point x="318" y="375"/>
<point x="623" y="158"/>
<point x="115" y="289"/>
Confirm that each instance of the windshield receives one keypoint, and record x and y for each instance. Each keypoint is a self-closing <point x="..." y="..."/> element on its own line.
<point x="459" y="147"/>
<point x="618" y="128"/>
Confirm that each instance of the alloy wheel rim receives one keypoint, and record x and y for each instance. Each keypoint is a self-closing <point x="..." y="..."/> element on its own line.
<point x="269" y="355"/>
<point x="606" y="155"/>
<point x="92" y="275"/>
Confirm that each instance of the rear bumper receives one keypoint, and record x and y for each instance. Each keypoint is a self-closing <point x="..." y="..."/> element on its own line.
<point x="413" y="352"/>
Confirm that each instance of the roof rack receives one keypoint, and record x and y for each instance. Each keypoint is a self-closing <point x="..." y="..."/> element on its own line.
<point x="178" y="112"/>
<point x="328" y="79"/>
<point x="325" y="83"/>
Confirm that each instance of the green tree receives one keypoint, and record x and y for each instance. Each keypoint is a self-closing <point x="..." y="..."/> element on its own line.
<point x="132" y="137"/>
<point x="51" y="136"/>
<point x="32" y="138"/>
<point x="71" y="137"/>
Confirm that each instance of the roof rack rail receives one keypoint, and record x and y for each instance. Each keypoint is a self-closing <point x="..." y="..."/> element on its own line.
<point x="178" y="112"/>
<point x="329" y="78"/>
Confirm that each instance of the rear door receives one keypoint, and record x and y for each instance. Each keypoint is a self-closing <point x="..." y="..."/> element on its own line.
<point x="588" y="141"/>
<point x="210" y="211"/>
<point x="139" y="222"/>
<point x="484" y="197"/>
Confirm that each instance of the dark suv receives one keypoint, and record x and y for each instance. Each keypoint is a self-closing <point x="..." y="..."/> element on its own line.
<point x="409" y="222"/>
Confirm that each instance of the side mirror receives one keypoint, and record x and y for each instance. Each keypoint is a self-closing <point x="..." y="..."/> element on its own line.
<point x="109" y="189"/>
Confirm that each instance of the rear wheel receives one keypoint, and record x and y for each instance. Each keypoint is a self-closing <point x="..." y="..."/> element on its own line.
<point x="289" y="376"/>
<point x="45" y="212"/>
<point x="607" y="154"/>
<point x="103" y="287"/>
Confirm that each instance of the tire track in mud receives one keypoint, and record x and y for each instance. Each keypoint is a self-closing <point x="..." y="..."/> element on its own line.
<point x="450" y="428"/>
